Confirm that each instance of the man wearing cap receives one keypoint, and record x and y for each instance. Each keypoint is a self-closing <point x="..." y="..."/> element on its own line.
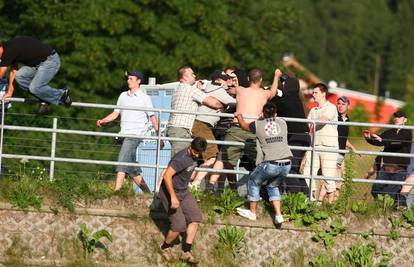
<point x="395" y="140"/>
<point x="342" y="105"/>
<point x="41" y="63"/>
<point x="133" y="122"/>
<point x="203" y="124"/>
<point x="186" y="97"/>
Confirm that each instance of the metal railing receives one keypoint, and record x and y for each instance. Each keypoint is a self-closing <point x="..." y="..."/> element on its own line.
<point x="157" y="166"/>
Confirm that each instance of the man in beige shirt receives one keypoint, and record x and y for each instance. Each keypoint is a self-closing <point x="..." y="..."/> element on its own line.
<point x="326" y="136"/>
<point x="250" y="102"/>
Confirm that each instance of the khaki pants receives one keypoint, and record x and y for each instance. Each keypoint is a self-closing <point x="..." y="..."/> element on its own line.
<point x="327" y="162"/>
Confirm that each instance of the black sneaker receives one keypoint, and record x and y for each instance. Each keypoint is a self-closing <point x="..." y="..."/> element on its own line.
<point x="66" y="99"/>
<point x="43" y="109"/>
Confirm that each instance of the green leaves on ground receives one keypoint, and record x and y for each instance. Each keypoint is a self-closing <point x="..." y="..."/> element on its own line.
<point x="301" y="210"/>
<point x="227" y="202"/>
<point x="91" y="241"/>
<point x="328" y="236"/>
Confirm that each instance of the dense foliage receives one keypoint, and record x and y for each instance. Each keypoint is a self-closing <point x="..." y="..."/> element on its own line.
<point x="364" y="44"/>
<point x="338" y="40"/>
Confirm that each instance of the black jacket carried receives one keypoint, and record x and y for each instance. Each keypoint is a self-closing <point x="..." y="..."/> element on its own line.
<point x="290" y="105"/>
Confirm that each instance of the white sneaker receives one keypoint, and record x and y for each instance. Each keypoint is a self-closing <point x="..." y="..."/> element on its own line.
<point x="279" y="219"/>
<point x="246" y="214"/>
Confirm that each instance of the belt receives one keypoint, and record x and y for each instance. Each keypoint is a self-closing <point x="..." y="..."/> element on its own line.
<point x="279" y="162"/>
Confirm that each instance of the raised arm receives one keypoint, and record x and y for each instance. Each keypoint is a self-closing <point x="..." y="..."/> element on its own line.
<point x="273" y="88"/>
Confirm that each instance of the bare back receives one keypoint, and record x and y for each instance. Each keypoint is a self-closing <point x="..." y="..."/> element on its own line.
<point x="250" y="101"/>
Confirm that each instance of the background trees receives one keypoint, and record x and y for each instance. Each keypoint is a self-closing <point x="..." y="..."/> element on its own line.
<point x="363" y="44"/>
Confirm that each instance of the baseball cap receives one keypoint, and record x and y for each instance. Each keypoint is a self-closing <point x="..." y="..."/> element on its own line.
<point x="344" y="99"/>
<point x="219" y="74"/>
<point x="135" y="73"/>
<point x="400" y="114"/>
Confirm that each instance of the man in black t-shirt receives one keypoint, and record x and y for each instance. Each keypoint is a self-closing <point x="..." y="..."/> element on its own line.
<point x="41" y="63"/>
<point x="178" y="202"/>
<point x="342" y="105"/>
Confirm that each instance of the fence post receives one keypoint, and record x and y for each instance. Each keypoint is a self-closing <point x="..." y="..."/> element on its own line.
<point x="1" y="137"/>
<point x="311" y="160"/>
<point x="53" y="151"/>
<point x="158" y="152"/>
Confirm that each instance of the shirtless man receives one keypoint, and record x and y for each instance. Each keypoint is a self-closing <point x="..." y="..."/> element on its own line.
<point x="250" y="102"/>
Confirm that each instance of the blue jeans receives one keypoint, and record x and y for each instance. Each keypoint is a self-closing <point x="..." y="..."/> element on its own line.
<point x="36" y="79"/>
<point x="269" y="174"/>
<point x="128" y="153"/>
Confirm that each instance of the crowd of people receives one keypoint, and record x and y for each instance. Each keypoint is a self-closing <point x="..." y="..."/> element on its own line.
<point x="266" y="139"/>
<point x="256" y="123"/>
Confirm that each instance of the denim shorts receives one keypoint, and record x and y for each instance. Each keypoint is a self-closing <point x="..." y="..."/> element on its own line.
<point x="270" y="175"/>
<point x="128" y="153"/>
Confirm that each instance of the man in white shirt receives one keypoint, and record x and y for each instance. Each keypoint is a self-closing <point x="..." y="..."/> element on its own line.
<point x="132" y="122"/>
<point x="326" y="136"/>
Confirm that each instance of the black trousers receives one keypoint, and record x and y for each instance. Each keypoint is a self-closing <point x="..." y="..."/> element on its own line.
<point x="296" y="185"/>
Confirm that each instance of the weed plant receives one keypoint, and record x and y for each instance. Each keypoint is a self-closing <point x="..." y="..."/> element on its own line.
<point x="230" y="245"/>
<point x="384" y="203"/>
<point x="298" y="257"/>
<point x="91" y="241"/>
<point x="343" y="203"/>
<point x="273" y="262"/>
<point x="320" y="261"/>
<point x="360" y="255"/>
<point x="227" y="202"/>
<point x="23" y="192"/>
<point x="328" y="236"/>
<point x="301" y="210"/>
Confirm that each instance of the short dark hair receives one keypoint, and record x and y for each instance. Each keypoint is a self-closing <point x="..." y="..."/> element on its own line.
<point x="269" y="110"/>
<point x="231" y="68"/>
<point x="322" y="87"/>
<point x="181" y="70"/>
<point x="255" y="76"/>
<point x="199" y="144"/>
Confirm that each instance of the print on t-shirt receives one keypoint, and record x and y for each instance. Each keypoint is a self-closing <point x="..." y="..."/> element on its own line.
<point x="273" y="130"/>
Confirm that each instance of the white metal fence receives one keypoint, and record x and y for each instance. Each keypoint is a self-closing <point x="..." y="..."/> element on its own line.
<point x="156" y="165"/>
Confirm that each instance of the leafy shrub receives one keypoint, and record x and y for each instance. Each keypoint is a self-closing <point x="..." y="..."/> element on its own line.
<point x="360" y="207"/>
<point x="302" y="210"/>
<point x="360" y="255"/>
<point x="229" y="245"/>
<point x="231" y="238"/>
<point x="320" y="261"/>
<point x="25" y="194"/>
<point x="409" y="216"/>
<point x="384" y="203"/>
<point x="71" y="188"/>
<point x="91" y="241"/>
<point x="328" y="236"/>
<point x="227" y="202"/>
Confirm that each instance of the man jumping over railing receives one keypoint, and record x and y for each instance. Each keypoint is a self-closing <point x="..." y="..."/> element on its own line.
<point x="41" y="62"/>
